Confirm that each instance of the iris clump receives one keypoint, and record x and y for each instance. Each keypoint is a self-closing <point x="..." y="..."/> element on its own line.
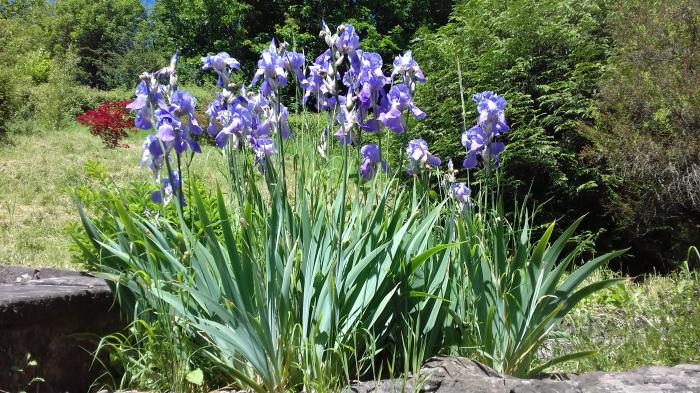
<point x="159" y="105"/>
<point x="299" y="284"/>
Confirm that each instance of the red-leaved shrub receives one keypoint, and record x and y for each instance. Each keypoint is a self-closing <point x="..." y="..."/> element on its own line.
<point x="110" y="121"/>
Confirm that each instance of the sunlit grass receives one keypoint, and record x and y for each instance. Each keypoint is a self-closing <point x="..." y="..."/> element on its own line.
<point x="38" y="170"/>
<point x="36" y="173"/>
<point x="655" y="321"/>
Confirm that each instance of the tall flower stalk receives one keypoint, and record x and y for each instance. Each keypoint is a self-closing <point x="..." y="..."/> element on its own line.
<point x="171" y="113"/>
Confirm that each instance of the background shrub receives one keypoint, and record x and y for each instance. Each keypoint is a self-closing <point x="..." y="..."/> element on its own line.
<point x="646" y="141"/>
<point x="7" y="100"/>
<point x="545" y="60"/>
<point x="603" y="115"/>
<point x="110" y="121"/>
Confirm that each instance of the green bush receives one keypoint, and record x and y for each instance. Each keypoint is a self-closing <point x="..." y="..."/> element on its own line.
<point x="545" y="59"/>
<point x="36" y="65"/>
<point x="56" y="102"/>
<point x="8" y="99"/>
<point x="101" y="196"/>
<point x="120" y="70"/>
<point x="646" y="142"/>
<point x="90" y="98"/>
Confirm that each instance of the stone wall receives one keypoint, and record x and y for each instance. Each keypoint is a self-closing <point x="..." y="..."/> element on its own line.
<point x="50" y="323"/>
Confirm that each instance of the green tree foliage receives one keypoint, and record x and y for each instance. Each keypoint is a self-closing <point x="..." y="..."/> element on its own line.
<point x="384" y="26"/>
<point x="200" y="26"/>
<point x="647" y="140"/>
<point x="7" y="100"/>
<point x="545" y="58"/>
<point x="23" y="57"/>
<point x="101" y="31"/>
<point x="244" y="27"/>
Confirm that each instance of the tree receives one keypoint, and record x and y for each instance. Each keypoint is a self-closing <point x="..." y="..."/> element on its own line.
<point x="244" y="27"/>
<point x="386" y="27"/>
<point x="101" y="31"/>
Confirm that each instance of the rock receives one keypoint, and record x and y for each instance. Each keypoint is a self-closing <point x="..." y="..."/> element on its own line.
<point x="655" y="379"/>
<point x="454" y="374"/>
<point x="50" y="320"/>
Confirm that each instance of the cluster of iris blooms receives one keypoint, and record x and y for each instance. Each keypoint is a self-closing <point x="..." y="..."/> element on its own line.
<point x="344" y="79"/>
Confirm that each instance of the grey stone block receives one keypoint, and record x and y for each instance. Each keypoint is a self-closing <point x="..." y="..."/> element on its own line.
<point x="57" y="317"/>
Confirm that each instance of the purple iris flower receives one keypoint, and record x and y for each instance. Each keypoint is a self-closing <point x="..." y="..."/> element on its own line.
<point x="221" y="63"/>
<point x="491" y="108"/>
<point x="263" y="148"/>
<point x="146" y="100"/>
<point x="152" y="155"/>
<point x="474" y="140"/>
<point x="461" y="193"/>
<point x="420" y="157"/>
<point x="348" y="41"/>
<point x="294" y="63"/>
<point x="167" y="188"/>
<point x="491" y="124"/>
<point x="496" y="150"/>
<point x="284" y="122"/>
<point x="213" y="110"/>
<point x="271" y="68"/>
<point x="371" y="79"/>
<point x="347" y="117"/>
<point x="346" y="136"/>
<point x="369" y="82"/>
<point x="236" y="121"/>
<point x="371" y="159"/>
<point x="407" y="68"/>
<point x="313" y="83"/>
<point x="185" y="104"/>
<point x="257" y="106"/>
<point x="173" y="133"/>
<point x="151" y="148"/>
<point x="399" y="98"/>
<point x="316" y="82"/>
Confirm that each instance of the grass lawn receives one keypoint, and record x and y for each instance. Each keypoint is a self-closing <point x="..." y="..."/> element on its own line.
<point x="37" y="172"/>
<point x="652" y="322"/>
